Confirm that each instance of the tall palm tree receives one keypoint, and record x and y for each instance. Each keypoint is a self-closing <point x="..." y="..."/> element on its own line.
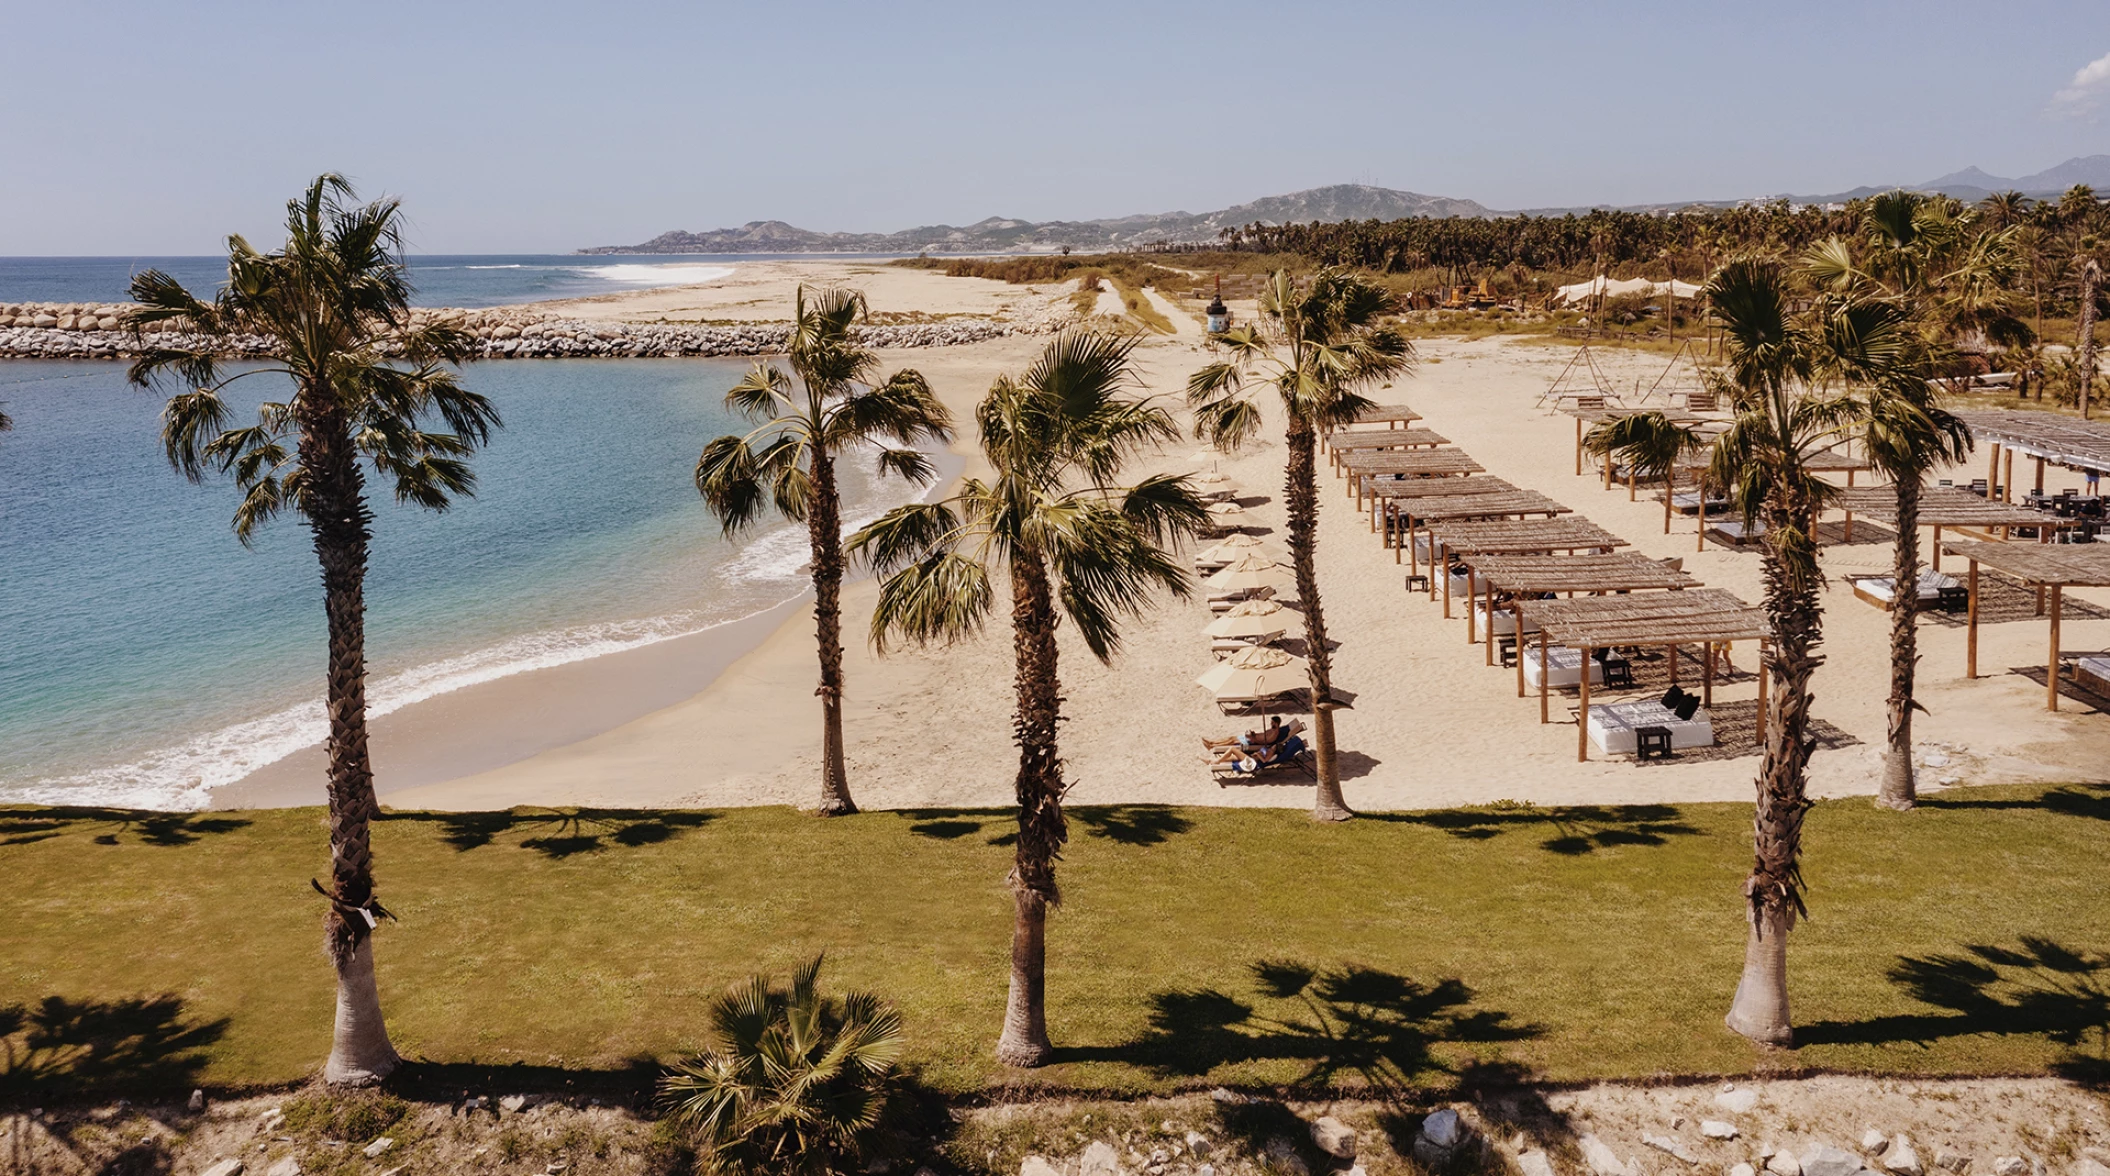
<point x="1897" y="303"/>
<point x="1783" y="416"/>
<point x="830" y="403"/>
<point x="1325" y="346"/>
<point x="364" y="379"/>
<point x="1076" y="545"/>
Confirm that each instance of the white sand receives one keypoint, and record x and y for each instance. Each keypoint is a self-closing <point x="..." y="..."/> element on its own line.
<point x="1431" y="724"/>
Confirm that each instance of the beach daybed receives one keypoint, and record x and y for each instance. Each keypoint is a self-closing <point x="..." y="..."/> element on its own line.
<point x="1566" y="666"/>
<point x="1936" y="590"/>
<point x="1505" y="622"/>
<point x="2091" y="671"/>
<point x="1292" y="752"/>
<point x="1613" y="725"/>
<point x="1735" y="533"/>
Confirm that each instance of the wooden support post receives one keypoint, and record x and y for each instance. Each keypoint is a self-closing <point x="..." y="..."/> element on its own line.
<point x="1544" y="672"/>
<point x="2051" y="680"/>
<point x="1937" y="557"/>
<point x="2040" y="474"/>
<point x="2007" y="478"/>
<point x="1707" y="678"/>
<point x="1630" y="483"/>
<point x="1670" y="491"/>
<point x="1490" y="634"/>
<point x="1992" y="472"/>
<point x="1413" y="528"/>
<point x="1519" y="606"/>
<point x="1582" y="714"/>
<point x="1849" y="514"/>
<point x="1970" y="637"/>
<point x="1608" y="470"/>
<point x="1440" y="560"/>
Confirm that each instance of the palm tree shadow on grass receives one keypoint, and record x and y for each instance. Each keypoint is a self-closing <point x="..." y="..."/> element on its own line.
<point x="2091" y="801"/>
<point x="1573" y="830"/>
<point x="2037" y="988"/>
<point x="1127" y="824"/>
<point x="1348" y="1026"/>
<point x="61" y="1046"/>
<point x="560" y="833"/>
<point x="112" y="826"/>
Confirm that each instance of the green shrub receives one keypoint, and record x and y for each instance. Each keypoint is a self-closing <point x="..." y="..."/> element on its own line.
<point x="793" y="1082"/>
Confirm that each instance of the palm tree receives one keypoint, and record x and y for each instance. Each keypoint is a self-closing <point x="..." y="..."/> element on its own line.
<point x="365" y="379"/>
<point x="1782" y="417"/>
<point x="1326" y="348"/>
<point x="1651" y="443"/>
<point x="1915" y="286"/>
<point x="1075" y="545"/>
<point x="792" y="1082"/>
<point x="830" y="403"/>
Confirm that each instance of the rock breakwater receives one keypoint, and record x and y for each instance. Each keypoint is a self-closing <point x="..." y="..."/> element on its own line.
<point x="100" y="331"/>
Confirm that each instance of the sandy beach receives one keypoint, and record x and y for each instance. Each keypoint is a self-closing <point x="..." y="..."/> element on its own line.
<point x="1430" y="725"/>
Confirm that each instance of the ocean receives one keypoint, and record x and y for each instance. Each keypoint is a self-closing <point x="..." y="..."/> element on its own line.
<point x="471" y="281"/>
<point x="146" y="656"/>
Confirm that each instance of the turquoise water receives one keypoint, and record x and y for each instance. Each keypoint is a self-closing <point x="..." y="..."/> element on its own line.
<point x="146" y="656"/>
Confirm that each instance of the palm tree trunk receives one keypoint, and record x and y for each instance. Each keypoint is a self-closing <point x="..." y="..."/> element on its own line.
<point x="1773" y="891"/>
<point x="1041" y="828"/>
<point x="1302" y="491"/>
<point x="360" y="1051"/>
<point x="825" y="532"/>
<point x="1898" y="790"/>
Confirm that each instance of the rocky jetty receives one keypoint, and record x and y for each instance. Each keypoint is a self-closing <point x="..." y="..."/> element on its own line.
<point x="100" y="331"/>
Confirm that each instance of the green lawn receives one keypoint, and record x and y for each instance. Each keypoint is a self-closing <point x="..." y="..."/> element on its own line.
<point x="1196" y="946"/>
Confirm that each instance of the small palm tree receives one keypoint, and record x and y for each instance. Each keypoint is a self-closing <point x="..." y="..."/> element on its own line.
<point x="1326" y="348"/>
<point x="1782" y="418"/>
<point x="792" y="1082"/>
<point x="1651" y="444"/>
<point x="365" y="379"/>
<point x="830" y="403"/>
<point x="1075" y="545"/>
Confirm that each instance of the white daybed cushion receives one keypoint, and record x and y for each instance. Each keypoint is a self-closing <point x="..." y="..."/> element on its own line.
<point x="2096" y="667"/>
<point x="1505" y="621"/>
<point x="1931" y="585"/>
<point x="1567" y="667"/>
<point x="1463" y="585"/>
<point x="1735" y="529"/>
<point x="1612" y="727"/>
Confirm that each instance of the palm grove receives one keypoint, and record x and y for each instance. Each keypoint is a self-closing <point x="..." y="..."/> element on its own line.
<point x="1839" y="338"/>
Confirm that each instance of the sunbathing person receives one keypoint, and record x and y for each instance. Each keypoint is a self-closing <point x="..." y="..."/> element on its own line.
<point x="1254" y="759"/>
<point x="1274" y="732"/>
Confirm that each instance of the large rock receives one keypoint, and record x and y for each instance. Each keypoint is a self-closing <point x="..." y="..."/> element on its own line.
<point x="290" y="1166"/>
<point x="377" y="1147"/>
<point x="1873" y="1141"/>
<point x="224" y="1168"/>
<point x="2009" y="1166"/>
<point x="1949" y="1161"/>
<point x="1335" y="1138"/>
<point x="1035" y="1166"/>
<point x="1443" y="1128"/>
<point x="1903" y="1160"/>
<point x="1602" y="1160"/>
<point x="1742" y="1170"/>
<point x="1825" y="1160"/>
<point x="1716" y="1129"/>
<point x="1099" y="1159"/>
<point x="1671" y="1146"/>
<point x="1534" y="1163"/>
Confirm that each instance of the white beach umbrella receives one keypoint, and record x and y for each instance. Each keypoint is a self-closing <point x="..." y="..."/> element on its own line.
<point x="1228" y="514"/>
<point x="1251" y="618"/>
<point x="1247" y="573"/>
<point x="1229" y="549"/>
<point x="1259" y="672"/>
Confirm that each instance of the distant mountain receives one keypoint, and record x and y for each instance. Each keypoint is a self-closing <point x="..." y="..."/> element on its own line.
<point x="1973" y="184"/>
<point x="1338" y="202"/>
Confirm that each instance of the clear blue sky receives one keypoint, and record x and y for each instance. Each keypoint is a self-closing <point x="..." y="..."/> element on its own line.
<point x="139" y="128"/>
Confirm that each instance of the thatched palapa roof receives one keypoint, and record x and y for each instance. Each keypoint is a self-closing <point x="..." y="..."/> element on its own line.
<point x="2079" y="565"/>
<point x="1622" y="571"/>
<point x="1522" y="536"/>
<point x="1942" y="506"/>
<point x="1650" y="618"/>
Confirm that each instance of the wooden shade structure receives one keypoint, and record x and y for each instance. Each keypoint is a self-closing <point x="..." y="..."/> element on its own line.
<point x="1403" y="516"/>
<point x="1364" y="440"/>
<point x="2043" y="437"/>
<point x="1408" y="463"/>
<point x="1537" y="574"/>
<point x="1708" y="616"/>
<point x="1590" y="417"/>
<point x="2044" y="566"/>
<point x="1388" y="415"/>
<point x="1947" y="506"/>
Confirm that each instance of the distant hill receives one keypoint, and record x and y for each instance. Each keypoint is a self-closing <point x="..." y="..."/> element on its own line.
<point x="1337" y="202"/>
<point x="999" y="234"/>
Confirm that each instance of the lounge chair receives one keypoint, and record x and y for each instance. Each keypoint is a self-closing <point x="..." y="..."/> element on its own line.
<point x="1878" y="590"/>
<point x="1291" y="752"/>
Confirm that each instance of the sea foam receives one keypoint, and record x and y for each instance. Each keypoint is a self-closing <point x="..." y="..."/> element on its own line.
<point x="661" y="275"/>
